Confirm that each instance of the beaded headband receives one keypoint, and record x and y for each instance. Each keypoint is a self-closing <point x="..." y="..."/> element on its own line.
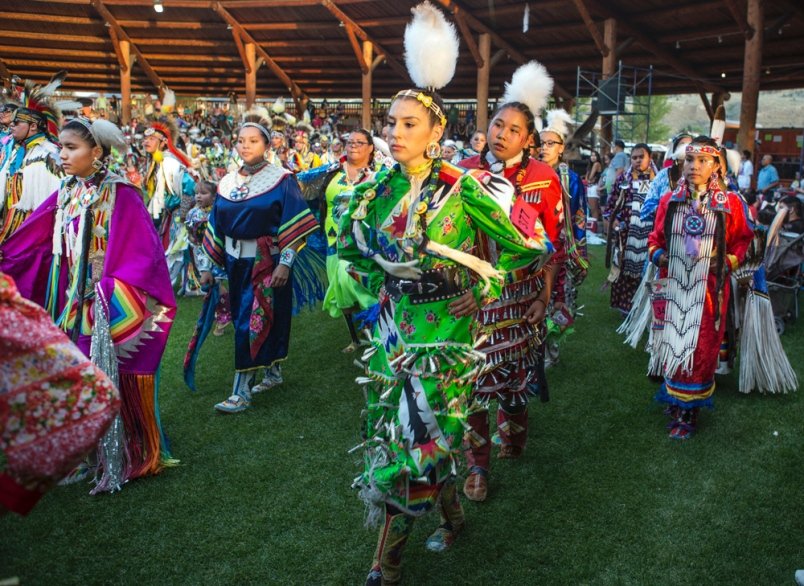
<point x="29" y="116"/>
<point x="259" y="127"/>
<point x="702" y="149"/>
<point x="152" y="131"/>
<point x="427" y="101"/>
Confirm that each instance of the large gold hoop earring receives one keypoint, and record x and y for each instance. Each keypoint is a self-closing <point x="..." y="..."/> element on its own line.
<point x="432" y="150"/>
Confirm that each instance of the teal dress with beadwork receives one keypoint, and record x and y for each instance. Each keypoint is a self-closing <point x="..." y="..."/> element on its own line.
<point x="421" y="366"/>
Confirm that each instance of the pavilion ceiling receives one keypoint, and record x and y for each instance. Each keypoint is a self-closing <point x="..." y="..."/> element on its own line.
<point x="192" y="49"/>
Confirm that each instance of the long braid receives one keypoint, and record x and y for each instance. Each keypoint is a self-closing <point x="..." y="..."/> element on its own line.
<point x="483" y="153"/>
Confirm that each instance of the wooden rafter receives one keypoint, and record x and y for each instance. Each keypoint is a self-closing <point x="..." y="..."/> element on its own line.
<point x="241" y="50"/>
<point x="345" y="19"/>
<point x="454" y="7"/>
<point x="361" y="61"/>
<point x="591" y="26"/>
<point x="469" y="38"/>
<point x="121" y="60"/>
<point x="645" y="38"/>
<point x="738" y="14"/>
<point x="294" y="89"/>
<point x="121" y="35"/>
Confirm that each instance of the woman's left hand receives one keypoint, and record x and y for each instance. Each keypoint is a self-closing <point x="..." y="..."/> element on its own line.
<point x="279" y="278"/>
<point x="536" y="312"/>
<point x="464" y="305"/>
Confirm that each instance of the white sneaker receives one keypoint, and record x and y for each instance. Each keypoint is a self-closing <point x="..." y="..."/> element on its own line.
<point x="271" y="379"/>
<point x="234" y="404"/>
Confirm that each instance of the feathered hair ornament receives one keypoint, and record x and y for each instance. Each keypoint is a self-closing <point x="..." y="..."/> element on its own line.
<point x="168" y="101"/>
<point x="37" y="106"/>
<point x="718" y="126"/>
<point x="431" y="47"/>
<point x="170" y="132"/>
<point x="530" y="85"/>
<point x="431" y="54"/>
<point x="280" y="119"/>
<point x="105" y="134"/>
<point x="558" y="121"/>
<point x="258" y="117"/>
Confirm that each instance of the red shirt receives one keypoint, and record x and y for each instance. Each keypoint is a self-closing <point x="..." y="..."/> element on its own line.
<point x="540" y="187"/>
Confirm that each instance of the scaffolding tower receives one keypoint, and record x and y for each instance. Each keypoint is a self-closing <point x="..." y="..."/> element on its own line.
<point x="623" y="101"/>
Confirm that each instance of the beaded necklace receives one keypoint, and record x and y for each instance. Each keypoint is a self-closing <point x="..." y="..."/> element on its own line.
<point x="241" y="189"/>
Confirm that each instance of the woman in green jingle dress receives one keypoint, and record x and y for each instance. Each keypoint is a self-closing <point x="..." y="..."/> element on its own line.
<point x="412" y="230"/>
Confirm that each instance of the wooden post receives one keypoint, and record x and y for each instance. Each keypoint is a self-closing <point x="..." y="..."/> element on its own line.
<point x="752" y="73"/>
<point x="125" y="82"/>
<point x="609" y="67"/>
<point x="368" y="51"/>
<point x="484" y="48"/>
<point x="251" y="75"/>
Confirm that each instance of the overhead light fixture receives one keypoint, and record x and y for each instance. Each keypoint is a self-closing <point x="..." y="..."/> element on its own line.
<point x="723" y="74"/>
<point x="719" y="40"/>
<point x="678" y="44"/>
<point x="767" y="71"/>
<point x="158" y="6"/>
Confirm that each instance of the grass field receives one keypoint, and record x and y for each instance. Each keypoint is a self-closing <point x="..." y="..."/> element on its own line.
<point x="601" y="496"/>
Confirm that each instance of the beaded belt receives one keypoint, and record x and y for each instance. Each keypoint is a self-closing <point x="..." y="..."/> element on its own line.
<point x="434" y="285"/>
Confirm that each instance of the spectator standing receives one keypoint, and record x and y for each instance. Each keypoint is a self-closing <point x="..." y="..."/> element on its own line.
<point x="746" y="172"/>
<point x="768" y="177"/>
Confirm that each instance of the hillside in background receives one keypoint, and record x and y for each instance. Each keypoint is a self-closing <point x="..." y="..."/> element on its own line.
<point x="777" y="109"/>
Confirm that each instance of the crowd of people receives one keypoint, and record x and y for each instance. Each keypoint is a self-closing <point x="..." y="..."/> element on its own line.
<point x="460" y="263"/>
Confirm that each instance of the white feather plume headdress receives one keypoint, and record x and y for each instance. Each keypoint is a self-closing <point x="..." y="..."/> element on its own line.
<point x="431" y="54"/>
<point x="530" y="85"/>
<point x="559" y="121"/>
<point x="431" y="47"/>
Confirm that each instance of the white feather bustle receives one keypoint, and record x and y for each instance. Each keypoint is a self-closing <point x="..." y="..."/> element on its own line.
<point x="531" y="85"/>
<point x="431" y="47"/>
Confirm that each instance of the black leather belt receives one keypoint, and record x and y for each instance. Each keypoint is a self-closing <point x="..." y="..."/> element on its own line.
<point x="434" y="285"/>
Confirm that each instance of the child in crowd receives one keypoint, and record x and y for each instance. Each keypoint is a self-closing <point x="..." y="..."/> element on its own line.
<point x="196" y="223"/>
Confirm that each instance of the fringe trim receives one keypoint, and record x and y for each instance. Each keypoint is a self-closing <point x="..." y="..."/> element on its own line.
<point x="675" y="344"/>
<point x="641" y="314"/>
<point x="764" y="365"/>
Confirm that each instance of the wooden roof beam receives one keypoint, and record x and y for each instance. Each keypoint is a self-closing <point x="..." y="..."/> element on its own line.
<point x="454" y="7"/>
<point x="121" y="35"/>
<point x="241" y="50"/>
<point x="294" y="89"/>
<point x="344" y="18"/>
<point x="121" y="60"/>
<point x="467" y="35"/>
<point x="644" y="37"/>
<point x="358" y="50"/>
<point x="591" y="26"/>
<point x="738" y="14"/>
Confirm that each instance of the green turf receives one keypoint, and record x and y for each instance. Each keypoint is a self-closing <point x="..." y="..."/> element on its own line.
<point x="601" y="496"/>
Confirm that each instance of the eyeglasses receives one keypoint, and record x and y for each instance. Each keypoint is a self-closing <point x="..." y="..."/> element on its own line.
<point x="550" y="143"/>
<point x="356" y="143"/>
